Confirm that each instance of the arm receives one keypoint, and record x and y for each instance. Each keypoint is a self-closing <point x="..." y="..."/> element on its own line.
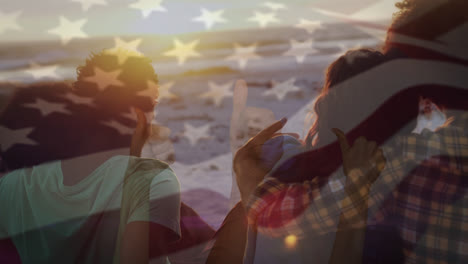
<point x="281" y="209"/>
<point x="275" y="208"/>
<point x="231" y="238"/>
<point x="150" y="215"/>
<point x="133" y="238"/>
<point x="349" y="243"/>
<point x="135" y="243"/>
<point x="247" y="164"/>
<point x="137" y="246"/>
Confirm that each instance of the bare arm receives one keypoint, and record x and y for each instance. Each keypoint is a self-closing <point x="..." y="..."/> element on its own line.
<point x="136" y="245"/>
<point x="133" y="242"/>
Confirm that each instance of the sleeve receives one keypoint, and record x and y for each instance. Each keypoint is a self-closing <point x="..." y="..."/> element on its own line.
<point x="162" y="202"/>
<point x="279" y="209"/>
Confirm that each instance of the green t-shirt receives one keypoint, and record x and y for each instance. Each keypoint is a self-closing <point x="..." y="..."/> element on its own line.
<point x="52" y="223"/>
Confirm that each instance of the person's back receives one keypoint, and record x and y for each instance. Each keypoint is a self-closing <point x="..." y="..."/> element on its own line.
<point x="50" y="222"/>
<point x="429" y="203"/>
<point x="75" y="193"/>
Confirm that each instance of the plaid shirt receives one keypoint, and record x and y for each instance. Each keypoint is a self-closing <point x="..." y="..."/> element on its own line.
<point x="422" y="189"/>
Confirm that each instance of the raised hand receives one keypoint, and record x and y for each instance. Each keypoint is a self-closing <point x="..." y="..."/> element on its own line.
<point x="362" y="155"/>
<point x="247" y="164"/>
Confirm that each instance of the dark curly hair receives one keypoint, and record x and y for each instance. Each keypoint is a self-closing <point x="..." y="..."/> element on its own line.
<point x="134" y="71"/>
<point x="426" y="20"/>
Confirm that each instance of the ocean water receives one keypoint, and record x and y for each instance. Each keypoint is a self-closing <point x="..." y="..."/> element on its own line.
<point x="214" y="47"/>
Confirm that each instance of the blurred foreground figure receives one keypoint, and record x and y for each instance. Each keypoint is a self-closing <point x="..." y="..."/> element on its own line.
<point x="98" y="202"/>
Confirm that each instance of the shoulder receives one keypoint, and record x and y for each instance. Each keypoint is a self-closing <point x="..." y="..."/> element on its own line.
<point x="147" y="165"/>
<point x="449" y="140"/>
<point x="156" y="171"/>
<point x="17" y="175"/>
<point x="24" y="178"/>
<point x="12" y="186"/>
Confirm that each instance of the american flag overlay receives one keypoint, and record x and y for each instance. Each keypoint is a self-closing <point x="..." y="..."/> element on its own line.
<point x="223" y="71"/>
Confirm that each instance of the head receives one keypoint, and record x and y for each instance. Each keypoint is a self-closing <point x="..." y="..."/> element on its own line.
<point x="415" y="27"/>
<point x="356" y="106"/>
<point x="96" y="110"/>
<point x="329" y="112"/>
<point x="426" y="20"/>
<point x="133" y="82"/>
<point x="334" y="108"/>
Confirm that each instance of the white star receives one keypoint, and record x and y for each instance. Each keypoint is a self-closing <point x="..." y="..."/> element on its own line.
<point x="183" y="51"/>
<point x="10" y="137"/>
<point x="41" y="72"/>
<point x="76" y="99"/>
<point x="46" y="107"/>
<point x="309" y="26"/>
<point x="195" y="134"/>
<point x="8" y="21"/>
<point x="86" y="4"/>
<point x="243" y="54"/>
<point x="218" y="92"/>
<point x="148" y="6"/>
<point x="150" y="115"/>
<point x="67" y="30"/>
<point x="281" y="89"/>
<point x="130" y="114"/>
<point x="274" y="6"/>
<point x="264" y="18"/>
<point x="165" y="93"/>
<point x="123" y="130"/>
<point x="151" y="90"/>
<point x="300" y="49"/>
<point x="125" y="46"/>
<point x="210" y="18"/>
<point x="104" y="79"/>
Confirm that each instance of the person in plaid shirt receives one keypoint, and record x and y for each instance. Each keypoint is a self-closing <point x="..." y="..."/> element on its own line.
<point x="428" y="197"/>
<point x="421" y="190"/>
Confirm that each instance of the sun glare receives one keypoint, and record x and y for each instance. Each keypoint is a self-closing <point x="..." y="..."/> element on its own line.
<point x="290" y="241"/>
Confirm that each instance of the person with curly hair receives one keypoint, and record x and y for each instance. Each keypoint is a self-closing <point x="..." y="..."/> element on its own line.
<point x="437" y="26"/>
<point x="82" y="194"/>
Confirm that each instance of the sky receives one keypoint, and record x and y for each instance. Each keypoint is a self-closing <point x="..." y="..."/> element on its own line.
<point x="26" y="20"/>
